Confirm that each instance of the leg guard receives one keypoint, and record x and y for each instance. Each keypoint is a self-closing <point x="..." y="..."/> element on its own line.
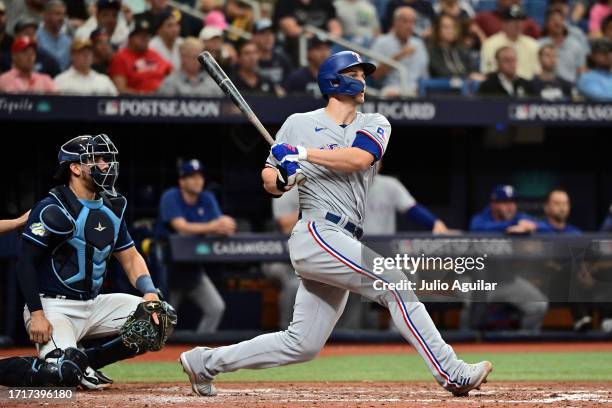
<point x="64" y="369"/>
<point x="110" y="351"/>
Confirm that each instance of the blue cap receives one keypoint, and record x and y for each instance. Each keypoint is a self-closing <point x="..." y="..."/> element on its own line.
<point x="108" y="4"/>
<point x="503" y="192"/>
<point x="191" y="166"/>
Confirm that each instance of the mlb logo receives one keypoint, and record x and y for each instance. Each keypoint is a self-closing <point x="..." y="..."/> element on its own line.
<point x="381" y="132"/>
<point x="109" y="108"/>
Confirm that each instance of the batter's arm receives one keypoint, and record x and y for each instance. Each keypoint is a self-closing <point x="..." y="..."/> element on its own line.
<point x="346" y="159"/>
<point x="269" y="175"/>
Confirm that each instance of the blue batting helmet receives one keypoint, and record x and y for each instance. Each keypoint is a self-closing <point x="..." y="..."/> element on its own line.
<point x="332" y="82"/>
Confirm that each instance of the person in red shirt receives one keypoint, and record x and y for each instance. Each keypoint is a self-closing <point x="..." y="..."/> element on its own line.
<point x="491" y="21"/>
<point x="22" y="78"/>
<point x="137" y="69"/>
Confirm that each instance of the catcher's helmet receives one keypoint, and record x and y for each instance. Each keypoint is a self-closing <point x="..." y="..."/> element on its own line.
<point x="86" y="150"/>
<point x="332" y="82"/>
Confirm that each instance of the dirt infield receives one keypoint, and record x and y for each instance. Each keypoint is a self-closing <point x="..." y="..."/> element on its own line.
<point x="343" y="395"/>
<point x="352" y="394"/>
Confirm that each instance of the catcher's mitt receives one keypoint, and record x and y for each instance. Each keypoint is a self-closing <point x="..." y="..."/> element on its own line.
<point x="140" y="331"/>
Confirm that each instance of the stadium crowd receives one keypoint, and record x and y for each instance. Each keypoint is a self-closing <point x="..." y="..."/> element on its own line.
<point x="551" y="49"/>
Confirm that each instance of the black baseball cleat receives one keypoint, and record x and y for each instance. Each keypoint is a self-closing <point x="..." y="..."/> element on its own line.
<point x="95" y="380"/>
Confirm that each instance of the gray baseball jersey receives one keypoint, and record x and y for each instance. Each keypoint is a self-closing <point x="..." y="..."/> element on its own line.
<point x="387" y="196"/>
<point x="330" y="262"/>
<point x="325" y="189"/>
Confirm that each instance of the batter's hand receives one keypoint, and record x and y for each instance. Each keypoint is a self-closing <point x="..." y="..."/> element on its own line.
<point x="40" y="329"/>
<point x="148" y="297"/>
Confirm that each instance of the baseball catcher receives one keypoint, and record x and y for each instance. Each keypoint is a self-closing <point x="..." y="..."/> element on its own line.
<point x="67" y="241"/>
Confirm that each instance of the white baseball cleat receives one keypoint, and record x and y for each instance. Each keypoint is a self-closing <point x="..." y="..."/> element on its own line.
<point x="199" y="383"/>
<point x="95" y="380"/>
<point x="474" y="376"/>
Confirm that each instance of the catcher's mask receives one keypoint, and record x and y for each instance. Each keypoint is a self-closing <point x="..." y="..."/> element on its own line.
<point x="88" y="150"/>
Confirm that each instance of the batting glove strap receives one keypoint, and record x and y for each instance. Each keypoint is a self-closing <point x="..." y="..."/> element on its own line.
<point x="302" y="153"/>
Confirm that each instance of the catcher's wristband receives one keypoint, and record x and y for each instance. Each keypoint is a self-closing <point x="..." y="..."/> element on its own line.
<point x="145" y="285"/>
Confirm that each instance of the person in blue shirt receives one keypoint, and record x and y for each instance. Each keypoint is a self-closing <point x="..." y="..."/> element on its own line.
<point x="50" y="36"/>
<point x="502" y="216"/>
<point x="189" y="210"/>
<point x="556" y="211"/>
<point x="596" y="84"/>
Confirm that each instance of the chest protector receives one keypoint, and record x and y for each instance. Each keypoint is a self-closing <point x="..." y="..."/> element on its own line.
<point x="80" y="256"/>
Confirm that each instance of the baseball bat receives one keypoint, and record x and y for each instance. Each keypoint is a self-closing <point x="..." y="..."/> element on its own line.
<point x="228" y="87"/>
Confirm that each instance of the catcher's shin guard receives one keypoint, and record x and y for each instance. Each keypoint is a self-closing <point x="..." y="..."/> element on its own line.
<point x="110" y="351"/>
<point x="64" y="368"/>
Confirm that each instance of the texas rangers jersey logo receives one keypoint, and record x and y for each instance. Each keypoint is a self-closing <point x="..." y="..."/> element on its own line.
<point x="330" y="146"/>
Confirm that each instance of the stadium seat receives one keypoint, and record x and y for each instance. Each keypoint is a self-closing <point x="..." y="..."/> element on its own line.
<point x="444" y="86"/>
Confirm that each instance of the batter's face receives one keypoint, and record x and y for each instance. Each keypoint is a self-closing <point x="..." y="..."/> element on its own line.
<point x="358" y="74"/>
<point x="558" y="206"/>
<point x="503" y="210"/>
<point x="192" y="184"/>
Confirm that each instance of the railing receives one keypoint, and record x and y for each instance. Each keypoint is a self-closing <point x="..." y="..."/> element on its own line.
<point x="403" y="72"/>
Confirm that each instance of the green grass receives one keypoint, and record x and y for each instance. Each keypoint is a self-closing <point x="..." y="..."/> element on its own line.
<point x="573" y="366"/>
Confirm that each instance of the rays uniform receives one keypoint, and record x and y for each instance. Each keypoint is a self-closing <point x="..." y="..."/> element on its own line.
<point x="327" y="255"/>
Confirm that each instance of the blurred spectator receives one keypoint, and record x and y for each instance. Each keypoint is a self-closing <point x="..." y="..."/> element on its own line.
<point x="606" y="226"/>
<point x="45" y="63"/>
<point x="290" y="16"/>
<point x="246" y="76"/>
<point x="206" y="6"/>
<point x="166" y="40"/>
<point x="599" y="11"/>
<point x="556" y="211"/>
<point x="5" y="41"/>
<point x="570" y="50"/>
<point x="596" y="83"/>
<point x="547" y="84"/>
<point x="189" y="210"/>
<point x="17" y="10"/>
<point x="501" y="215"/>
<point x="22" y="78"/>
<point x="240" y="15"/>
<point x="137" y="69"/>
<point x="190" y="79"/>
<point x="50" y="36"/>
<point x="102" y="50"/>
<point x="190" y="26"/>
<point x="606" y="28"/>
<point x="107" y="17"/>
<point x="80" y="78"/>
<point x="446" y="57"/>
<point x="274" y="63"/>
<point x="491" y="22"/>
<point x="573" y="31"/>
<point x="424" y="16"/>
<point x="304" y="80"/>
<point x="401" y="45"/>
<point x="77" y="12"/>
<point x="359" y="20"/>
<point x="285" y="213"/>
<point x="454" y="8"/>
<point x="511" y="35"/>
<point x="223" y="52"/>
<point x="579" y="12"/>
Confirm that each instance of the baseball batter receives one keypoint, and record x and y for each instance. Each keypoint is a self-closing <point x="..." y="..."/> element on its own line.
<point x="333" y="151"/>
